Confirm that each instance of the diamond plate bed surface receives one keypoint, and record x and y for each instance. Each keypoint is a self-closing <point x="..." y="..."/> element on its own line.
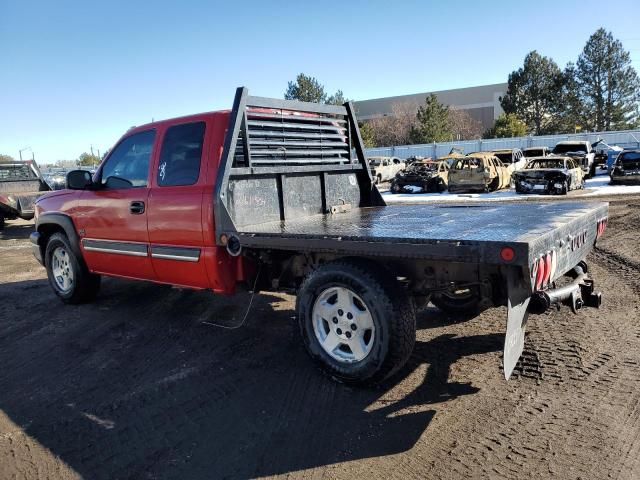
<point x="419" y="223"/>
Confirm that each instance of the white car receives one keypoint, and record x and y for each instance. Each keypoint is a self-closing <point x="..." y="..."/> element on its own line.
<point x="384" y="169"/>
<point x="512" y="157"/>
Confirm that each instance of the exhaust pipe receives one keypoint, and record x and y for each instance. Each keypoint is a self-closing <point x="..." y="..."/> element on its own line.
<point x="579" y="293"/>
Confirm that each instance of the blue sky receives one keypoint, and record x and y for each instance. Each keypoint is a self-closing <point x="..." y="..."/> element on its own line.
<point x="76" y="74"/>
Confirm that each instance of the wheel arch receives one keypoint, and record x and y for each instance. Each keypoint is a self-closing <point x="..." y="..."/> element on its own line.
<point x="51" y="223"/>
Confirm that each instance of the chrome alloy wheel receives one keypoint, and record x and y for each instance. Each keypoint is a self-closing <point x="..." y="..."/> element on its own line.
<point x="343" y="325"/>
<point x="62" y="269"/>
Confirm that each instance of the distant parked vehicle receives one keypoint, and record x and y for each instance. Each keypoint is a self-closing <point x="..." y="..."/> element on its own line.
<point x="581" y="151"/>
<point x="626" y="169"/>
<point x="453" y="155"/>
<point x="551" y="175"/>
<point x="57" y="180"/>
<point x="421" y="177"/>
<point x="384" y="169"/>
<point x="532" y="152"/>
<point x="478" y="172"/>
<point x="511" y="157"/>
<point x="21" y="184"/>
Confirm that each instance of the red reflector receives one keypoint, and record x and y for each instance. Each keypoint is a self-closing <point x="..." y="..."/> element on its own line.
<point x="541" y="274"/>
<point x="547" y="269"/>
<point x="507" y="254"/>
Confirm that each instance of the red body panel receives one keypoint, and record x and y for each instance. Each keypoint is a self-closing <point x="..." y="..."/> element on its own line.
<point x="176" y="219"/>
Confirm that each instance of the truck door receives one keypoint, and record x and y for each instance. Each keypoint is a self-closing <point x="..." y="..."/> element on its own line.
<point x="112" y="219"/>
<point x="175" y="206"/>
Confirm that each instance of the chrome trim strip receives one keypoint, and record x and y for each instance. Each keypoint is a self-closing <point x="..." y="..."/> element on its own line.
<point x="117" y="252"/>
<point x="181" y="254"/>
<point x="115" y="247"/>
<point x="180" y="258"/>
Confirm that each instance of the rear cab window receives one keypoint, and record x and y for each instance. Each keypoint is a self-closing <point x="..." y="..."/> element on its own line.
<point x="181" y="155"/>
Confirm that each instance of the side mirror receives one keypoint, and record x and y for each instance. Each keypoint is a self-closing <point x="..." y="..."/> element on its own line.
<point x="79" y="180"/>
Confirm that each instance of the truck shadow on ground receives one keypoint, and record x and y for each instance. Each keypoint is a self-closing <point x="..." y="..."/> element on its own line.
<point x="136" y="385"/>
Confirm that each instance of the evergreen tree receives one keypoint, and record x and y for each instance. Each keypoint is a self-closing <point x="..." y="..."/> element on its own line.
<point x="507" y="126"/>
<point x="305" y="89"/>
<point x="433" y="122"/>
<point x="608" y="85"/>
<point x="533" y="92"/>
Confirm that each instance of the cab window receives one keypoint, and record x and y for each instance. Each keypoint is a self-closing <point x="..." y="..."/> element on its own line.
<point x="181" y="154"/>
<point x="128" y="164"/>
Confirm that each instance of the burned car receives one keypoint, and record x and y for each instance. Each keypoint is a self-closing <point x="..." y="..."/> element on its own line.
<point x="422" y="176"/>
<point x="626" y="169"/>
<point x="20" y="185"/>
<point x="478" y="172"/>
<point x="553" y="175"/>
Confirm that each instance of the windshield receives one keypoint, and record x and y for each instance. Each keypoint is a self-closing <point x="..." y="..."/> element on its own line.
<point x="467" y="163"/>
<point x="536" y="152"/>
<point x="505" y="157"/>
<point x="16" y="172"/>
<point x="431" y="166"/>
<point x="545" y="164"/>
<point x="630" y="157"/>
<point x="571" y="147"/>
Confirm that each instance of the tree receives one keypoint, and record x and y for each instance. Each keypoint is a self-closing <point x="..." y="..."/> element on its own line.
<point x="336" y="99"/>
<point x="305" y="89"/>
<point x="367" y="134"/>
<point x="533" y="92"/>
<point x="571" y="117"/>
<point x="464" y="126"/>
<point x="608" y="85"/>
<point x="88" y="160"/>
<point x="309" y="89"/>
<point x="507" y="125"/>
<point x="433" y="122"/>
<point x="394" y="129"/>
<point x="6" y="158"/>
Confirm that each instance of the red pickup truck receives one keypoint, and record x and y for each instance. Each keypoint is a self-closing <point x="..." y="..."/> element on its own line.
<point x="277" y="195"/>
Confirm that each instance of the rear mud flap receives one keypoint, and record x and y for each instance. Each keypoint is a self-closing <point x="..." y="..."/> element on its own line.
<point x="519" y="295"/>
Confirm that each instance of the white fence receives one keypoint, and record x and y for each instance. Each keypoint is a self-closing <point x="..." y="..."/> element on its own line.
<point x="625" y="139"/>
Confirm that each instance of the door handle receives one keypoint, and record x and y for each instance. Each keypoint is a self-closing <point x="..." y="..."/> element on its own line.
<point x="136" y="208"/>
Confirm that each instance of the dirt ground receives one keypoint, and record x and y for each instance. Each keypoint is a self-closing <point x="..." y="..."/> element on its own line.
<point x="136" y="385"/>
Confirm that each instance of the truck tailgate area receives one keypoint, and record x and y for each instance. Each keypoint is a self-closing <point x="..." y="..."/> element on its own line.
<point x="457" y="233"/>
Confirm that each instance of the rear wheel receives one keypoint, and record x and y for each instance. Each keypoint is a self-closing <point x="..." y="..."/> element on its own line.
<point x="458" y="300"/>
<point x="68" y="277"/>
<point x="2" y="220"/>
<point x="356" y="322"/>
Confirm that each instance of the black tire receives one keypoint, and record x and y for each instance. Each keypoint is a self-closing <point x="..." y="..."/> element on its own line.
<point x="592" y="170"/>
<point x="462" y="304"/>
<point x="391" y="310"/>
<point x="85" y="285"/>
<point x="2" y="221"/>
<point x="565" y="188"/>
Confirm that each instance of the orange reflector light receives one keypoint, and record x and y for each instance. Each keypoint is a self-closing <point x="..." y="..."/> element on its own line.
<point x="507" y="254"/>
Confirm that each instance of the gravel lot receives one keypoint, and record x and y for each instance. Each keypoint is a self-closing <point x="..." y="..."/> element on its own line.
<point x="137" y="386"/>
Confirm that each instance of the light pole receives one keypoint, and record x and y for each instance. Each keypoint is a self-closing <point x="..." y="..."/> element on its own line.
<point x="24" y="150"/>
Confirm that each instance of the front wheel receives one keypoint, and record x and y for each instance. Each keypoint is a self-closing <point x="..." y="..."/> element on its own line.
<point x="356" y="323"/>
<point x="69" y="278"/>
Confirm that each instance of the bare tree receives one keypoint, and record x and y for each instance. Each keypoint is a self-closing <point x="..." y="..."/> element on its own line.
<point x="395" y="128"/>
<point x="464" y="126"/>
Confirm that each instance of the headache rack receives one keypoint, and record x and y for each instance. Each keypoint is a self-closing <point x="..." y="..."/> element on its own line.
<point x="284" y="159"/>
